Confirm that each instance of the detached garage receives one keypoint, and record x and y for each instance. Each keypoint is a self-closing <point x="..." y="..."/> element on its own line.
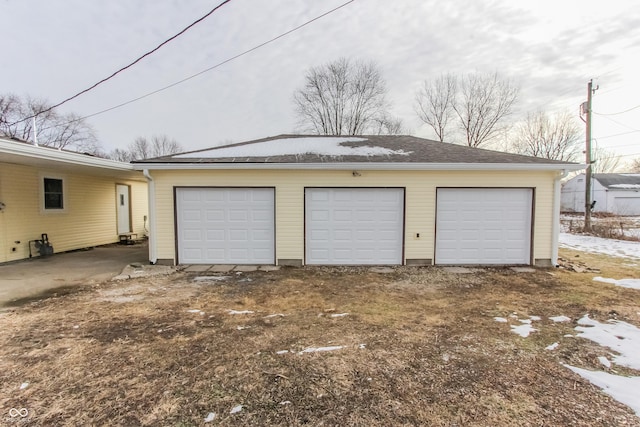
<point x="356" y="200"/>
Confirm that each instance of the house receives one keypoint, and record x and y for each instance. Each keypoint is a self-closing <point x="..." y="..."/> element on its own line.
<point x="77" y="200"/>
<point x="327" y="200"/>
<point x="616" y="193"/>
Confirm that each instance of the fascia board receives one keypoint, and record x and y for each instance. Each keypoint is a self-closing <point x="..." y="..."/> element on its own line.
<point x="363" y="166"/>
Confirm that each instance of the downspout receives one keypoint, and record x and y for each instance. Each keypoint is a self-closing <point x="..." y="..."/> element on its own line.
<point x="555" y="229"/>
<point x="153" y="257"/>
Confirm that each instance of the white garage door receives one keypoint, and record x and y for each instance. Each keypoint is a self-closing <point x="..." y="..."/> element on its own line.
<point x="225" y="225"/>
<point x="627" y="205"/>
<point x="483" y="226"/>
<point x="354" y="226"/>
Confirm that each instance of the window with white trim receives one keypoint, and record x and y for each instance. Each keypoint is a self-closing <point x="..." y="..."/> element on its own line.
<point x="53" y="194"/>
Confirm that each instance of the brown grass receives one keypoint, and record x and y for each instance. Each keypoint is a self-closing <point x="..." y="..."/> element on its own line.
<point x="130" y="353"/>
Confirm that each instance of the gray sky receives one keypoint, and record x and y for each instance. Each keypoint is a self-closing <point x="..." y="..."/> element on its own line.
<point x="52" y="49"/>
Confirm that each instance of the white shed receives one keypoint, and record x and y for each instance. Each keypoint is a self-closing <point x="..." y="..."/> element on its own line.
<point x="617" y="193"/>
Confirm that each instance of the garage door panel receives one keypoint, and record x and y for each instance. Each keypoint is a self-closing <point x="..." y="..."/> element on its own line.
<point x="483" y="226"/>
<point x="354" y="226"/>
<point x="225" y="225"/>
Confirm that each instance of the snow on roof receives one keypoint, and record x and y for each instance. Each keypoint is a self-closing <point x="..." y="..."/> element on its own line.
<point x="324" y="146"/>
<point x="626" y="186"/>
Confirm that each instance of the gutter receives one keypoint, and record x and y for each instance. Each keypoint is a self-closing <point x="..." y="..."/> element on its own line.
<point x="555" y="227"/>
<point x="369" y="166"/>
<point x="153" y="253"/>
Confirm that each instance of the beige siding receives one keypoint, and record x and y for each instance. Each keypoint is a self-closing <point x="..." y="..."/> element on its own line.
<point x="89" y="217"/>
<point x="419" y="211"/>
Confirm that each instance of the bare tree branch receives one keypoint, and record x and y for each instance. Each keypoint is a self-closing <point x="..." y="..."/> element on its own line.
<point x="556" y="137"/>
<point x="341" y="98"/>
<point x="143" y="148"/>
<point x="54" y="130"/>
<point x="604" y="161"/>
<point x="483" y="102"/>
<point x="434" y="103"/>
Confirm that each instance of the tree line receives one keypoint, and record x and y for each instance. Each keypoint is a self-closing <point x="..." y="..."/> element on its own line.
<point x="347" y="97"/>
<point x="70" y="131"/>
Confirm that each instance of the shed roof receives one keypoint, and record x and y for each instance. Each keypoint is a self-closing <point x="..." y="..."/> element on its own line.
<point x="618" y="181"/>
<point x="378" y="149"/>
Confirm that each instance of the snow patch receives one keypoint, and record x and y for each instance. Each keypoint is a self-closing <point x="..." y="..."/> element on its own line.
<point x="331" y="146"/>
<point x="236" y="409"/>
<point x="592" y="244"/>
<point x="239" y="311"/>
<point x="625" y="390"/>
<point x="500" y="319"/>
<point x="210" y="417"/>
<point x="625" y="283"/>
<point x="560" y="319"/>
<point x="552" y="346"/>
<point x="523" y="330"/>
<point x="339" y="314"/>
<point x="619" y="336"/>
<point x="321" y="349"/>
<point x="604" y="361"/>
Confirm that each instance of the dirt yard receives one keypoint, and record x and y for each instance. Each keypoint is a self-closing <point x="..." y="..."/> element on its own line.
<point x="316" y="346"/>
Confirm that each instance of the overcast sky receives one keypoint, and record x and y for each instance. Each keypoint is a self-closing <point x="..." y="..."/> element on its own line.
<point x="53" y="49"/>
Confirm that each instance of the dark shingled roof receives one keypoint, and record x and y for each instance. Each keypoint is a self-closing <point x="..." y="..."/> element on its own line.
<point x="609" y="179"/>
<point x="421" y="151"/>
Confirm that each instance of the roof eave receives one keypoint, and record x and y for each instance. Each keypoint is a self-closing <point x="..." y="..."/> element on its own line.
<point x="35" y="152"/>
<point x="365" y="166"/>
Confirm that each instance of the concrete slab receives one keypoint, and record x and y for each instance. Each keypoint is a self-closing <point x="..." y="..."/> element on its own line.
<point x="460" y="270"/>
<point x="44" y="276"/>
<point x="268" y="268"/>
<point x="221" y="268"/>
<point x="523" y="269"/>
<point x="245" y="268"/>
<point x="381" y="270"/>
<point x="197" y="268"/>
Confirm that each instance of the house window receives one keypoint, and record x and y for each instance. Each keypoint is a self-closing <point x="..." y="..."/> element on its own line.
<point x="53" y="195"/>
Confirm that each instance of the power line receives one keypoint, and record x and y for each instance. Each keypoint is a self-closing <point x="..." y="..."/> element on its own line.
<point x="140" y="58"/>
<point x="618" y="134"/>
<point x="219" y="64"/>
<point x="619" y="112"/>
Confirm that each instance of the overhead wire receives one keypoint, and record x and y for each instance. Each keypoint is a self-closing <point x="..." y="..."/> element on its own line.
<point x="131" y="64"/>
<point x="619" y="112"/>
<point x="219" y="64"/>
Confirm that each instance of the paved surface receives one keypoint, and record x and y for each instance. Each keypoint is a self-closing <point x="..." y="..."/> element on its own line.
<point x="41" y="276"/>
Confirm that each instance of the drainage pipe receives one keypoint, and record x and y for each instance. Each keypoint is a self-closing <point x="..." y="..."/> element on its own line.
<point x="153" y="254"/>
<point x="556" y="216"/>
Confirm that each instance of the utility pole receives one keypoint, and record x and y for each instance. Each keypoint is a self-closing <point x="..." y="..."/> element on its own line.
<point x="587" y="187"/>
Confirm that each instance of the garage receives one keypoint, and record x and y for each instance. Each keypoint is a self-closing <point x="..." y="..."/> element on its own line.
<point x="354" y="226"/>
<point x="225" y="225"/>
<point x="483" y="226"/>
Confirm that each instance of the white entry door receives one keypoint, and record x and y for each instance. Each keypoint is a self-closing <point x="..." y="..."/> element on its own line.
<point x="225" y="225"/>
<point x="354" y="226"/>
<point x="123" y="209"/>
<point x="490" y="226"/>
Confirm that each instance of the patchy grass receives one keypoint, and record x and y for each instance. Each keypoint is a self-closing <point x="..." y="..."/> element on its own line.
<point x="419" y="347"/>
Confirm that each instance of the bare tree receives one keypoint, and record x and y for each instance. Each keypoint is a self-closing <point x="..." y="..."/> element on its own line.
<point x="635" y="165"/>
<point x="341" y="98"/>
<point x="387" y="125"/>
<point x="53" y="129"/>
<point x="434" y="103"/>
<point x="556" y="137"/>
<point x="604" y="161"/>
<point x="484" y="101"/>
<point x="143" y="148"/>
<point x="480" y="102"/>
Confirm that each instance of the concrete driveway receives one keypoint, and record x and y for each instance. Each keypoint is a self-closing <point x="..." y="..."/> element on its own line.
<point x="43" y="276"/>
